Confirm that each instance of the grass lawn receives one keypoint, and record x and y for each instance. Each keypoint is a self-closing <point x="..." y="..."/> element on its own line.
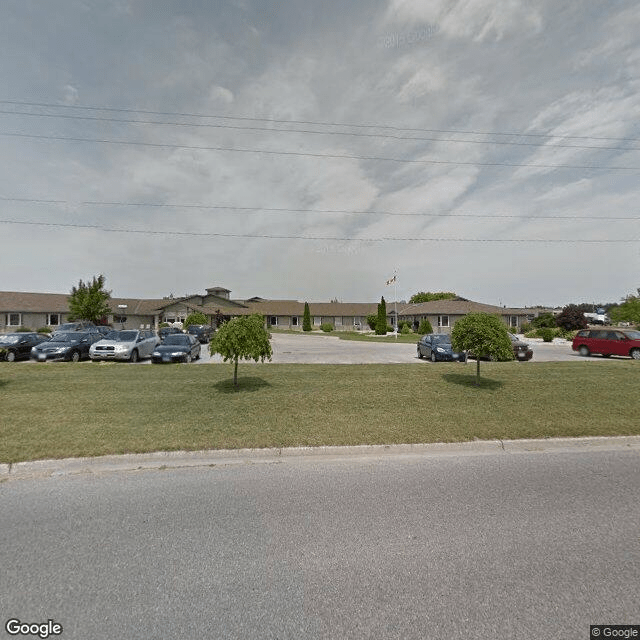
<point x="60" y="409"/>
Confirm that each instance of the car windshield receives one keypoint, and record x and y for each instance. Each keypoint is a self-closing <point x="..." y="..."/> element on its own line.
<point x="176" y="338"/>
<point x="9" y="339"/>
<point x="122" y="336"/>
<point x="632" y="335"/>
<point x="441" y="339"/>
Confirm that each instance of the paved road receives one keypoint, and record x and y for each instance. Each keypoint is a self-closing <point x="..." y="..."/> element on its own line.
<point x="527" y="546"/>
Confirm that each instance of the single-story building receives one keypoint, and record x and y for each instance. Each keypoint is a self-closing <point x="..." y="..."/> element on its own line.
<point x="38" y="310"/>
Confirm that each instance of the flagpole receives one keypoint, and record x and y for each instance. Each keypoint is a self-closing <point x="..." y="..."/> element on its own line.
<point x="395" y="295"/>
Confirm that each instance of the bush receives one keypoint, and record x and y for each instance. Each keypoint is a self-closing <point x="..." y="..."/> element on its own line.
<point x="162" y="325"/>
<point x="402" y="324"/>
<point x="24" y="330"/>
<point x="547" y="334"/>
<point x="406" y="329"/>
<point x="195" y="318"/>
<point x="372" y="320"/>
<point x="525" y="327"/>
<point x="546" y="319"/>
<point x="327" y="327"/>
<point x="425" y="327"/>
<point x="44" y="330"/>
<point x="512" y="329"/>
<point x="531" y="334"/>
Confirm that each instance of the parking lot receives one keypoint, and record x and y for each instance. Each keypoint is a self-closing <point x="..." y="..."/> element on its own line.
<point x="330" y="349"/>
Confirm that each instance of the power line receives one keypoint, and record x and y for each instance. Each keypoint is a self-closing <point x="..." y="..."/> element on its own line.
<point x="315" y="132"/>
<point x="158" y="145"/>
<point x="312" y="122"/>
<point x="446" y="213"/>
<point x="322" y="238"/>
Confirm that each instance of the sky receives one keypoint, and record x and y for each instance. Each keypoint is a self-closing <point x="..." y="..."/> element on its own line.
<point x="312" y="151"/>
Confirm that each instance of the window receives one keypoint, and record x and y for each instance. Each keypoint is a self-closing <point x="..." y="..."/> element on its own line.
<point x="53" y="319"/>
<point x="443" y="321"/>
<point x="13" y="320"/>
<point x="317" y="320"/>
<point x="294" y="321"/>
<point x="119" y="319"/>
<point x="513" y="321"/>
<point x="273" y="321"/>
<point x="338" y="321"/>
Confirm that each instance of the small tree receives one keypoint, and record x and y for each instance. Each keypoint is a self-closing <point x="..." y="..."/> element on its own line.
<point x="381" y="324"/>
<point x="546" y="319"/>
<point x="571" y="317"/>
<point x="194" y="318"/>
<point x="243" y="338"/>
<point x="372" y="321"/>
<point x="484" y="335"/>
<point x="88" y="301"/>
<point x="425" y="327"/>
<point x="306" y="318"/>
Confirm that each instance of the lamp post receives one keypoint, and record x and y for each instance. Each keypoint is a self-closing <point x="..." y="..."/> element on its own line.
<point x="123" y="311"/>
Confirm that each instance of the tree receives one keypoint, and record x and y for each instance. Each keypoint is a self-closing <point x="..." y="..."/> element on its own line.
<point x="194" y="318"/>
<point x="306" y="318"/>
<point x="243" y="338"/>
<point x="428" y="296"/>
<point x="628" y="311"/>
<point x="88" y="301"/>
<point x="484" y="335"/>
<point x="571" y="317"/>
<point x="381" y="324"/>
<point x="372" y="321"/>
<point x="546" y="319"/>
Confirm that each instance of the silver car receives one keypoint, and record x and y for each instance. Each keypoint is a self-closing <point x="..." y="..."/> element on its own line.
<point x="130" y="344"/>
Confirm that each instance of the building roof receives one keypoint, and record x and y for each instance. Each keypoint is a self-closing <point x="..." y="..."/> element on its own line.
<point x="451" y="308"/>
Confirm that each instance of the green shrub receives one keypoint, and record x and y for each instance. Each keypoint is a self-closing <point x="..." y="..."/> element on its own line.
<point x="544" y="320"/>
<point x="547" y="334"/>
<point x="531" y="334"/>
<point x="327" y="327"/>
<point x="512" y="329"/>
<point x="162" y="325"/>
<point x="425" y="327"/>
<point x="372" y="320"/>
<point x="44" y="330"/>
<point x="525" y="327"/>
<point x="24" y="330"/>
<point x="194" y="318"/>
<point x="402" y="324"/>
<point x="406" y="329"/>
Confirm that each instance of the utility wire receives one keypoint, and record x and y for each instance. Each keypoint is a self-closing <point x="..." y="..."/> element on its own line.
<point x="315" y="132"/>
<point x="315" y="155"/>
<point x="446" y="213"/>
<point x="311" y="122"/>
<point x="324" y="238"/>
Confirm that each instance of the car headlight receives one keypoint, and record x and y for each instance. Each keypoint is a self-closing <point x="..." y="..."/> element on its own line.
<point x="156" y="354"/>
<point x="177" y="353"/>
<point x="440" y="350"/>
<point x="120" y="348"/>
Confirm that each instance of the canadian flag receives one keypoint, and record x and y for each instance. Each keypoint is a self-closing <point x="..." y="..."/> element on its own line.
<point x="391" y="281"/>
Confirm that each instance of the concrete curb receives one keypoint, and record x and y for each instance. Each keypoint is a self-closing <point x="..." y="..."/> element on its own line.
<point x="182" y="459"/>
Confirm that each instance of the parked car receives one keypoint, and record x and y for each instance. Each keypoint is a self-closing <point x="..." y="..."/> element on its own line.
<point x="104" y="329"/>
<point x="129" y="344"/>
<point x="70" y="345"/>
<point x="201" y="331"/>
<point x="437" y="347"/>
<point x="167" y="331"/>
<point x="17" y="346"/>
<point x="521" y="350"/>
<point x="608" y="342"/>
<point x="177" y="348"/>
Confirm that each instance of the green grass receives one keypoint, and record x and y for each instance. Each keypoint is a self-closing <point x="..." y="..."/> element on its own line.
<point x="61" y="410"/>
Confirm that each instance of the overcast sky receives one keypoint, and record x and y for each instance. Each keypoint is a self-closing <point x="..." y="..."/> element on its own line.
<point x="309" y="150"/>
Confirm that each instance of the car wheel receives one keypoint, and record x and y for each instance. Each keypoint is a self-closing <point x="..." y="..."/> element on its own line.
<point x="75" y="356"/>
<point x="11" y="356"/>
<point x="433" y="357"/>
<point x="420" y="354"/>
<point x="584" y="351"/>
<point x="635" y="354"/>
<point x="134" y="356"/>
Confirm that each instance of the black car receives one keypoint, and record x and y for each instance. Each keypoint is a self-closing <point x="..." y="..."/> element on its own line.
<point x="17" y="346"/>
<point x="69" y="345"/>
<point x="163" y="332"/>
<point x="177" y="348"/>
<point x="82" y="325"/>
<point x="521" y="350"/>
<point x="201" y="331"/>
<point x="437" y="347"/>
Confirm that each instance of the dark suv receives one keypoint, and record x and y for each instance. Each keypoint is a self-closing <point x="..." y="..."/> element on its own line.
<point x="608" y="342"/>
<point x="201" y="331"/>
